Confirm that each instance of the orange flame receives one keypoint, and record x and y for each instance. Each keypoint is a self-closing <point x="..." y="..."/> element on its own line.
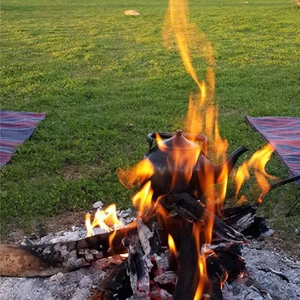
<point x="202" y="118"/>
<point x="136" y="174"/>
<point x="111" y="238"/>
<point x="105" y="219"/>
<point x="143" y="198"/>
<point x="258" y="163"/>
<point x="201" y="262"/>
<point x="172" y="245"/>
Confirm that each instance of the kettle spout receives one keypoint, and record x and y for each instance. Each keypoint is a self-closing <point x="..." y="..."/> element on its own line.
<point x="229" y="163"/>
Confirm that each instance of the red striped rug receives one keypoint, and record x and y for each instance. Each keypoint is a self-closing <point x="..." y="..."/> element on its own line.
<point x="15" y="128"/>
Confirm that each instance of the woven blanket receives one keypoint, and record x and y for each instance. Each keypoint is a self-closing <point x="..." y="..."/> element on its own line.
<point x="15" y="128"/>
<point x="283" y="133"/>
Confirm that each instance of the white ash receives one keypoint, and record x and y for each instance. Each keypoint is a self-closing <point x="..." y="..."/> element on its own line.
<point x="126" y="216"/>
<point x="272" y="275"/>
<point x="74" y="286"/>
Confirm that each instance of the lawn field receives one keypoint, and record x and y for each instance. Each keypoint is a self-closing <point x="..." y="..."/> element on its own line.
<point x="105" y="80"/>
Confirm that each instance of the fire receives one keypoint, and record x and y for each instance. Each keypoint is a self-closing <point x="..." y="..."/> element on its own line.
<point x="110" y="239"/>
<point x="143" y="198"/>
<point x="258" y="163"/>
<point x="88" y="225"/>
<point x="136" y="174"/>
<point x="105" y="219"/>
<point x="172" y="245"/>
<point x="181" y="163"/>
<point x="202" y="118"/>
<point x="203" y="278"/>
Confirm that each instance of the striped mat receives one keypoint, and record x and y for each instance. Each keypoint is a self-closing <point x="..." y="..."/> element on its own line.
<point x="15" y="128"/>
<point x="283" y="133"/>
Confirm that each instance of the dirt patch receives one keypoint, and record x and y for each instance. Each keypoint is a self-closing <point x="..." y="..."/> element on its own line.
<point x="61" y="222"/>
<point x="77" y="172"/>
<point x="288" y="244"/>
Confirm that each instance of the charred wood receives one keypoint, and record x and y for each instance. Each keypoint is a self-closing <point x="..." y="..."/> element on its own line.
<point x="115" y="286"/>
<point x="230" y="258"/>
<point x="49" y="259"/>
<point x="137" y="266"/>
<point x="188" y="274"/>
<point x="191" y="210"/>
<point x="216" y="274"/>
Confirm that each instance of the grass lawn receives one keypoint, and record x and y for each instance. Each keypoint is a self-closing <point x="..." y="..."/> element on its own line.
<point x="105" y="80"/>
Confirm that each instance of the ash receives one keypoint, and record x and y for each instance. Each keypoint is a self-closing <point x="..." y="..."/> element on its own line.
<point x="271" y="275"/>
<point x="74" y="285"/>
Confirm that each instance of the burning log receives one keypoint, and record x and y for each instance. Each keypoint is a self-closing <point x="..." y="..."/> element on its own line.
<point x="189" y="209"/>
<point x="188" y="276"/>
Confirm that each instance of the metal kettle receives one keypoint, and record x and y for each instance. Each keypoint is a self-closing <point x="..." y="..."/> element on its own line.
<point x="173" y="172"/>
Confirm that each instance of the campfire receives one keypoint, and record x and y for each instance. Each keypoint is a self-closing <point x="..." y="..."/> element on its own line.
<point x="185" y="242"/>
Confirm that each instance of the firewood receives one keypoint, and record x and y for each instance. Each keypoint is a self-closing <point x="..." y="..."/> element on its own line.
<point x="138" y="266"/>
<point x="187" y="265"/>
<point x="49" y="259"/>
<point x="189" y="209"/>
<point x="115" y="285"/>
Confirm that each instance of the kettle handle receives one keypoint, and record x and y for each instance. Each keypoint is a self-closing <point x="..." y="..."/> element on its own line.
<point x="166" y="135"/>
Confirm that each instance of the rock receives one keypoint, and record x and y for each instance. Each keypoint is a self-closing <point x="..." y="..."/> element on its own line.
<point x="98" y="205"/>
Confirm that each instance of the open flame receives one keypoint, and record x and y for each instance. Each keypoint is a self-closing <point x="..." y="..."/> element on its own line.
<point x="143" y="199"/>
<point x="136" y="174"/>
<point x="203" y="278"/>
<point x="182" y="161"/>
<point x="172" y="245"/>
<point x="106" y="220"/>
<point x="202" y="118"/>
<point x="257" y="162"/>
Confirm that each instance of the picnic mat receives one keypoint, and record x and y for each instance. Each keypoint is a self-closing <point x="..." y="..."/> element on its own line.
<point x="15" y="128"/>
<point x="283" y="133"/>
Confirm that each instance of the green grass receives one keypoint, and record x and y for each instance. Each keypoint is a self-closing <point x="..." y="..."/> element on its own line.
<point x="105" y="80"/>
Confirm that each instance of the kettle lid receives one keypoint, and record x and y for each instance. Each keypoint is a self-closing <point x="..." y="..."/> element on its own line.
<point x="178" y="141"/>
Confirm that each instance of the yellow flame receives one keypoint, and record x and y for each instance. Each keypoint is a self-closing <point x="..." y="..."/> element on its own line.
<point x="99" y="220"/>
<point x="105" y="219"/>
<point x="88" y="225"/>
<point x="111" y="218"/>
<point x="172" y="245"/>
<point x="110" y="240"/>
<point x="143" y="198"/>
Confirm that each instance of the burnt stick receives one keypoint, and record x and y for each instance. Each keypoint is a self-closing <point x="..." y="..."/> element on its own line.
<point x="190" y="209"/>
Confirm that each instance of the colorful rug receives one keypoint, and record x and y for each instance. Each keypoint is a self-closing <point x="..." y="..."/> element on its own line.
<point x="283" y="133"/>
<point x="15" y="128"/>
